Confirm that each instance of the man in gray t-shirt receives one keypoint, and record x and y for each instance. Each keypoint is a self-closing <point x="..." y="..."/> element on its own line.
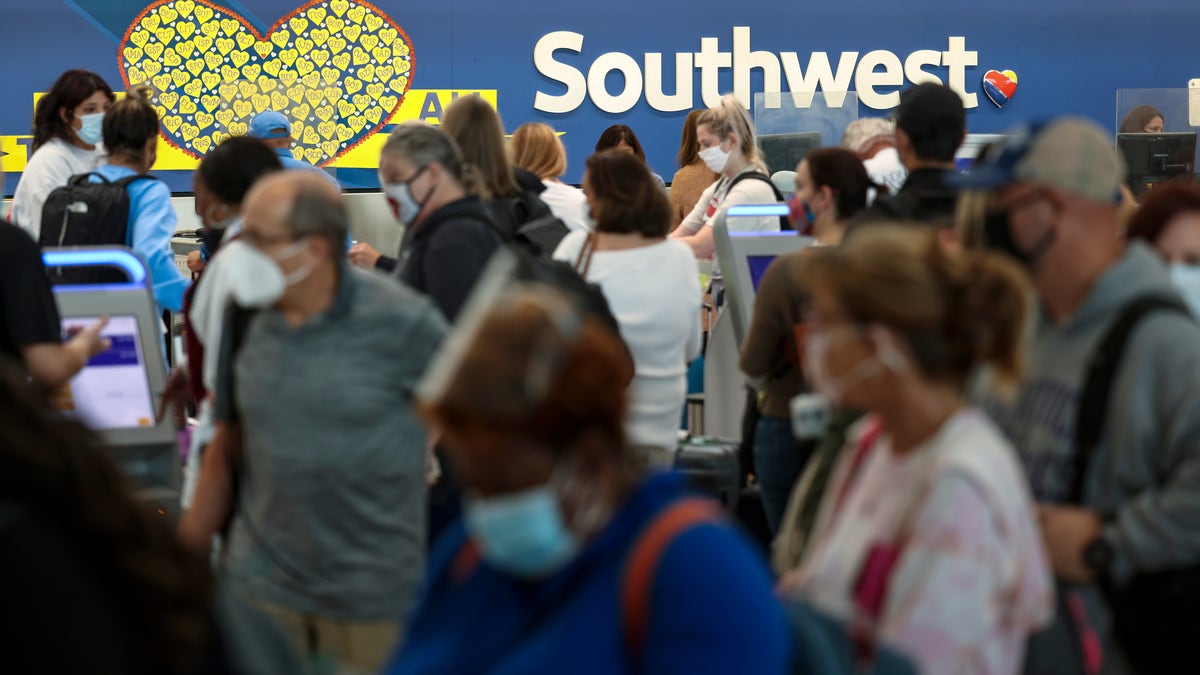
<point x="328" y="532"/>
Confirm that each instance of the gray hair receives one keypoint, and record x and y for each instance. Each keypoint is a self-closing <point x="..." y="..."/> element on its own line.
<point x="317" y="212"/>
<point x="862" y="133"/>
<point x="421" y="145"/>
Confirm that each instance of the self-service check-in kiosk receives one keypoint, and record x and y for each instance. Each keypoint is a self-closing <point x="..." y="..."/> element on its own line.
<point x="117" y="393"/>
<point x="744" y="258"/>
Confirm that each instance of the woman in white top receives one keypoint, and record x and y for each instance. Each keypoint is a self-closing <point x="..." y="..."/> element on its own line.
<point x="926" y="540"/>
<point x="67" y="141"/>
<point x="653" y="289"/>
<point x="536" y="148"/>
<point x="728" y="147"/>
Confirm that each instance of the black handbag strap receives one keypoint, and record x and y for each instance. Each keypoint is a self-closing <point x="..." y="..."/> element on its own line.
<point x="1101" y="372"/>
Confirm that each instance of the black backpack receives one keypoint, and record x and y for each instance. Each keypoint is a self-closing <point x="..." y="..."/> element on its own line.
<point x="86" y="213"/>
<point x="527" y="224"/>
<point x="785" y="225"/>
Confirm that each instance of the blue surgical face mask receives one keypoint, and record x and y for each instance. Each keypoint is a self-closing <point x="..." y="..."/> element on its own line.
<point x="92" y="131"/>
<point x="1187" y="281"/>
<point x="522" y="534"/>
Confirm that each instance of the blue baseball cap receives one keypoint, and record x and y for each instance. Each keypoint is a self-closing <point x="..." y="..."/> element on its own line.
<point x="1068" y="153"/>
<point x="270" y="124"/>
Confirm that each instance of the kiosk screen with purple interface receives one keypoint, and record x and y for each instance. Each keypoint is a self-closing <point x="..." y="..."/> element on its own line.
<point x="758" y="267"/>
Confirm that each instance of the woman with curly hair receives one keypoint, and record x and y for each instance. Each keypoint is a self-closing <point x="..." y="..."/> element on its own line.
<point x="67" y="140"/>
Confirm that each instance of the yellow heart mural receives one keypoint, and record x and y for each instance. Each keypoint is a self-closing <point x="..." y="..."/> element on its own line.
<point x="217" y="71"/>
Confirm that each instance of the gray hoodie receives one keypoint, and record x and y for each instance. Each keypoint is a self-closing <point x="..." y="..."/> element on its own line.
<point x="1144" y="477"/>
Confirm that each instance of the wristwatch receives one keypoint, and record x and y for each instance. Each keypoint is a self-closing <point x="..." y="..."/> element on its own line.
<point x="1098" y="557"/>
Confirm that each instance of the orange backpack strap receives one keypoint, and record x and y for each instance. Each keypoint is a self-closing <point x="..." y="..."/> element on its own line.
<point x="642" y="564"/>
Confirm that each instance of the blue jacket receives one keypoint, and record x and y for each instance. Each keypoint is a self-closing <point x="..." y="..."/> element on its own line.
<point x="152" y="223"/>
<point x="711" y="608"/>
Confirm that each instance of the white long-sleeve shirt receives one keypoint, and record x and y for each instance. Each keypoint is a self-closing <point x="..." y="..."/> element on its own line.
<point x="49" y="168"/>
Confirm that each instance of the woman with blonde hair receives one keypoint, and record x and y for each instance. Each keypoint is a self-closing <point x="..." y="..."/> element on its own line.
<point x="726" y="138"/>
<point x="926" y="540"/>
<point x="693" y="176"/>
<point x="536" y="148"/>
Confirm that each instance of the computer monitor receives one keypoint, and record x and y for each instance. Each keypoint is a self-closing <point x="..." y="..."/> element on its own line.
<point x="745" y="257"/>
<point x="1153" y="158"/>
<point x="782" y="152"/>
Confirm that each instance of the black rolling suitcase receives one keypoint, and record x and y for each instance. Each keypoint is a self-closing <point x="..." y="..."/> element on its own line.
<point x="712" y="466"/>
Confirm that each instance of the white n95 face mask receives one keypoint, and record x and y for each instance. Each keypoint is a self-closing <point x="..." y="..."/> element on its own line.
<point x="715" y="158"/>
<point x="256" y="279"/>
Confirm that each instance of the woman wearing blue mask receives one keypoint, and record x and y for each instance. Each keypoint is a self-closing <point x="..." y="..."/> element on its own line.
<point x="568" y="559"/>
<point x="1169" y="220"/>
<point x="67" y="141"/>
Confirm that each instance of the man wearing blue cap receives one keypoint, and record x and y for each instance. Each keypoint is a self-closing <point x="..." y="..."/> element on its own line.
<point x="1108" y="423"/>
<point x="274" y="129"/>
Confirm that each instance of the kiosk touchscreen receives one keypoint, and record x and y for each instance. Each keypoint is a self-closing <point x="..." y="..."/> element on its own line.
<point x="118" y="391"/>
<point x="113" y="391"/>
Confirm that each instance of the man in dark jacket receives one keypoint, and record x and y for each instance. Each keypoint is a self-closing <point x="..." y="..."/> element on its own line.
<point x="930" y="125"/>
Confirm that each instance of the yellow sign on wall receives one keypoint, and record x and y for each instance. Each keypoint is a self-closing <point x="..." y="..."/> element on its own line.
<point x="419" y="104"/>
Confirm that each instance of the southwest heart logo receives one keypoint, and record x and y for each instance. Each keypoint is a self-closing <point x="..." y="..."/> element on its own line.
<point x="338" y="69"/>
<point x="1000" y="86"/>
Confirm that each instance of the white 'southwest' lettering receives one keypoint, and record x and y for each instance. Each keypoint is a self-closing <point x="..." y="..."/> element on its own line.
<point x="876" y="76"/>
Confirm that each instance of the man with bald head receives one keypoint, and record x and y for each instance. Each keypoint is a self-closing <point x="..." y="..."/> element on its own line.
<point x="328" y="521"/>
